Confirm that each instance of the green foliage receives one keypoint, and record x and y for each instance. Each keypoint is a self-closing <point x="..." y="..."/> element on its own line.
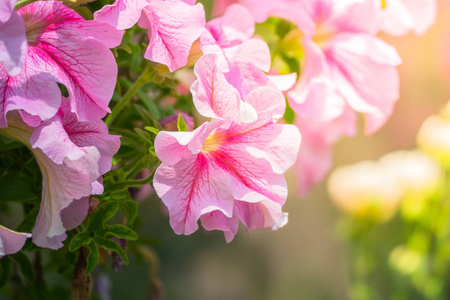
<point x="181" y="123"/>
<point x="289" y="114"/>
<point x="121" y="232"/>
<point x="18" y="188"/>
<point x="113" y="246"/>
<point x="25" y="265"/>
<point x="93" y="257"/>
<point x="6" y="269"/>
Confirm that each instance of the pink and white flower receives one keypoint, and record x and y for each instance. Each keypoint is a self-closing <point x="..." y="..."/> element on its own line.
<point x="11" y="241"/>
<point x="62" y="47"/>
<point x="226" y="171"/>
<point x="173" y="26"/>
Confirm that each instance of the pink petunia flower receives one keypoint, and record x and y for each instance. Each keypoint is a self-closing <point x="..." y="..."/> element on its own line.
<point x="11" y="241"/>
<point x="402" y="16"/>
<point x="226" y="171"/>
<point x="63" y="136"/>
<point x="315" y="157"/>
<point x="173" y="26"/>
<point x="64" y="48"/>
<point x="13" y="41"/>
<point x="72" y="155"/>
<point x="233" y="66"/>
<point x="64" y="140"/>
<point x="346" y="65"/>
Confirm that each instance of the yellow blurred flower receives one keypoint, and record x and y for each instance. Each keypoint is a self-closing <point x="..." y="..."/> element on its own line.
<point x="413" y="171"/>
<point x="373" y="190"/>
<point x="417" y="175"/>
<point x="364" y="191"/>
<point x="434" y="137"/>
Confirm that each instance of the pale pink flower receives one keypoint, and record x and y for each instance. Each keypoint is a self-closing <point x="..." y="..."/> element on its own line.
<point x="78" y="153"/>
<point x="315" y="157"/>
<point x="234" y="65"/>
<point x="220" y="95"/>
<point x="346" y="65"/>
<point x="63" y="184"/>
<point x="224" y="35"/>
<point x="63" y="136"/>
<point x="226" y="171"/>
<point x="402" y="16"/>
<point x="219" y="6"/>
<point x="11" y="241"/>
<point x="72" y="155"/>
<point x="62" y="47"/>
<point x="295" y="11"/>
<point x="214" y="97"/>
<point x="13" y="41"/>
<point x="173" y="26"/>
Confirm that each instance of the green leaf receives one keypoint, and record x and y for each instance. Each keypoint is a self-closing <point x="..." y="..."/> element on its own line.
<point x="143" y="134"/>
<point x="104" y="212"/>
<point x="151" y="129"/>
<point x="283" y="28"/>
<point x="132" y="211"/>
<point x="92" y="258"/>
<point x="29" y="220"/>
<point x="18" y="188"/>
<point x="112" y="246"/>
<point x="7" y="143"/>
<point x="121" y="232"/>
<point x="125" y="48"/>
<point x="6" y="268"/>
<point x="152" y="151"/>
<point x="289" y="114"/>
<point x="26" y="267"/>
<point x="181" y="124"/>
<point x="79" y="240"/>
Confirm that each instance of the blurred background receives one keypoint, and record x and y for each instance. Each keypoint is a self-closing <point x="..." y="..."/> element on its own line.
<point x="311" y="257"/>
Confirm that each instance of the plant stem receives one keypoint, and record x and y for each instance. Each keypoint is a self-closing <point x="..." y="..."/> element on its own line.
<point x="81" y="281"/>
<point x="142" y="79"/>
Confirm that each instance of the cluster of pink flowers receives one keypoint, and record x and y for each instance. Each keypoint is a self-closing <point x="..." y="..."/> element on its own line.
<point x="231" y="168"/>
<point x="346" y="68"/>
<point x="43" y="44"/>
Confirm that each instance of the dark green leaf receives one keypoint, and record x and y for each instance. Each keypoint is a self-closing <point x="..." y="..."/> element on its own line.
<point x="7" y="143"/>
<point x="81" y="239"/>
<point x="5" y="265"/>
<point x="26" y="267"/>
<point x="132" y="211"/>
<point x="121" y="232"/>
<point x="29" y="220"/>
<point x="17" y="187"/>
<point x="113" y="246"/>
<point x="92" y="258"/>
<point x="143" y="134"/>
<point x="104" y="212"/>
